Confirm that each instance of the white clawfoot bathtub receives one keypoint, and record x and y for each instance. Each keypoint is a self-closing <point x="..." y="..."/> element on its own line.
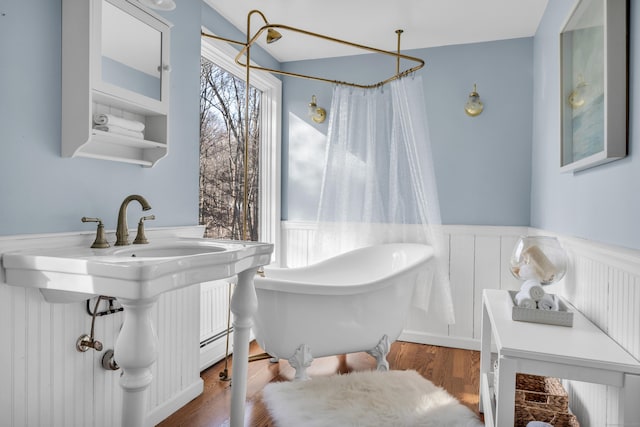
<point x="357" y="301"/>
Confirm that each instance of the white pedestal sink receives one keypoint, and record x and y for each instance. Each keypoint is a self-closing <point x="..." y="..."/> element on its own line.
<point x="137" y="275"/>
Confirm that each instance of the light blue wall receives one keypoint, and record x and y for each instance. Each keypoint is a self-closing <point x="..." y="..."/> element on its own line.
<point x="602" y="203"/>
<point x="43" y="192"/>
<point x="483" y="164"/>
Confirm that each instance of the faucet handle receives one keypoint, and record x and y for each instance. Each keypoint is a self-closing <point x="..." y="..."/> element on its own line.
<point x="101" y="241"/>
<point x="140" y="237"/>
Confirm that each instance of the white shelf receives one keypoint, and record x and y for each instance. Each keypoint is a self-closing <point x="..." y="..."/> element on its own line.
<point x="114" y="158"/>
<point x="105" y="146"/>
<point x="111" y="138"/>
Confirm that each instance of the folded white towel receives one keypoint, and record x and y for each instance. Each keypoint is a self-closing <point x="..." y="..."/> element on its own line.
<point x="110" y="119"/>
<point x="523" y="300"/>
<point x="533" y="288"/>
<point x="548" y="302"/>
<point x="119" y="130"/>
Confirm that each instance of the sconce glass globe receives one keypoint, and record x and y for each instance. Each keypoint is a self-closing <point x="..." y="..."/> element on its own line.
<point x="474" y="106"/>
<point x="317" y="114"/>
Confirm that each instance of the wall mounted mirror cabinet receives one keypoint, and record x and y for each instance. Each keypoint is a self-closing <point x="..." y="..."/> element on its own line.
<point x="115" y="81"/>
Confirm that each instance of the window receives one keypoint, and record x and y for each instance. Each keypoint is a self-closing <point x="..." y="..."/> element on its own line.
<point x="222" y="155"/>
<point x="265" y="202"/>
<point x="222" y="148"/>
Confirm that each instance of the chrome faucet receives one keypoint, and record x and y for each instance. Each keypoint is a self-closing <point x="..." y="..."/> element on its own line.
<point x="122" y="230"/>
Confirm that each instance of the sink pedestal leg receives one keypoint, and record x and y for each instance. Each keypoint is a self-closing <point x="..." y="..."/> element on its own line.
<point x="243" y="305"/>
<point x="135" y="351"/>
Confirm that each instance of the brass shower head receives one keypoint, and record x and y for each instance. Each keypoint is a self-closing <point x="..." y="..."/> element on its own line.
<point x="273" y="36"/>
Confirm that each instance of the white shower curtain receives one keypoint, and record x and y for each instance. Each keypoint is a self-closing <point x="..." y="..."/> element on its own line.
<point x="379" y="183"/>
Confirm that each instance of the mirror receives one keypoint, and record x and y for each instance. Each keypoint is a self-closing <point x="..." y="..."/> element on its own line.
<point x="131" y="52"/>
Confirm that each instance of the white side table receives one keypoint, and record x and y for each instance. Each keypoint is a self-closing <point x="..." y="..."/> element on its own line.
<point x="582" y="352"/>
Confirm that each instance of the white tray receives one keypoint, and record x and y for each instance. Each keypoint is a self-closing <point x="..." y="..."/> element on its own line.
<point x="562" y="317"/>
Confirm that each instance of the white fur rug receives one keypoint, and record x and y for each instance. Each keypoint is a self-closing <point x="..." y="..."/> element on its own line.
<point x="370" y="398"/>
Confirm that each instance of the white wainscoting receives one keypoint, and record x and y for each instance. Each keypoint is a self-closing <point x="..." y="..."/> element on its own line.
<point x="45" y="382"/>
<point x="602" y="281"/>
<point x="214" y="311"/>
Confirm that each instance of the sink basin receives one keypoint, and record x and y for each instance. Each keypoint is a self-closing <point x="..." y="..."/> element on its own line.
<point x="74" y="273"/>
<point x="167" y="251"/>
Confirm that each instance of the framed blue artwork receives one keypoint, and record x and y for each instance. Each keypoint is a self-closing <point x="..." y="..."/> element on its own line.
<point x="593" y="82"/>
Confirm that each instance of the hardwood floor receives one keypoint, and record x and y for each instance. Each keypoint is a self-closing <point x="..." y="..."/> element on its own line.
<point x="455" y="370"/>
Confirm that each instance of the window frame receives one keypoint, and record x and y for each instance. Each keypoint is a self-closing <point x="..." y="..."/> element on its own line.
<point x="269" y="225"/>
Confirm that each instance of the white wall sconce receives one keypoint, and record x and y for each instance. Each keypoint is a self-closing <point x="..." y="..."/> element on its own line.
<point x="474" y="106"/>
<point x="159" y="4"/>
<point x="317" y="114"/>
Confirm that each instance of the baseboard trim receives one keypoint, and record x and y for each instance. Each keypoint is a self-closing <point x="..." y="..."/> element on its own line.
<point x="214" y="352"/>
<point x="159" y="413"/>
<point x="439" y="340"/>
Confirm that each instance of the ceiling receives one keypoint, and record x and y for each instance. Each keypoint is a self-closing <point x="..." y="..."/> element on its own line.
<point x="426" y="23"/>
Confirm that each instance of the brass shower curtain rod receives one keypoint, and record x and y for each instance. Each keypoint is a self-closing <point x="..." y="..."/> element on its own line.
<point x="273" y="35"/>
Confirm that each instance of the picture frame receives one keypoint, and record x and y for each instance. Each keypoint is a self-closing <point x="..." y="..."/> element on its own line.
<point x="594" y="84"/>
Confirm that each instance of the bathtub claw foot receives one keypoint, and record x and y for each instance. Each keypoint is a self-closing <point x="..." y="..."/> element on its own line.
<point x="380" y="352"/>
<point x="301" y="360"/>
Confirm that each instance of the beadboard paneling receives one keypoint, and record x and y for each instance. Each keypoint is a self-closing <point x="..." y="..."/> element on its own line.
<point x="45" y="381"/>
<point x="214" y="311"/>
<point x="603" y="282"/>
<point x="461" y="277"/>
<point x="487" y="266"/>
<point x="214" y="307"/>
<point x="423" y="323"/>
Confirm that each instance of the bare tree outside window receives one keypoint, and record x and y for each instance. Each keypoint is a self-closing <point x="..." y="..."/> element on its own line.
<point x="222" y="147"/>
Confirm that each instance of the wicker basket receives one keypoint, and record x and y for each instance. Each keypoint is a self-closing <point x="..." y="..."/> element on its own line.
<point x="525" y="414"/>
<point x="541" y="392"/>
